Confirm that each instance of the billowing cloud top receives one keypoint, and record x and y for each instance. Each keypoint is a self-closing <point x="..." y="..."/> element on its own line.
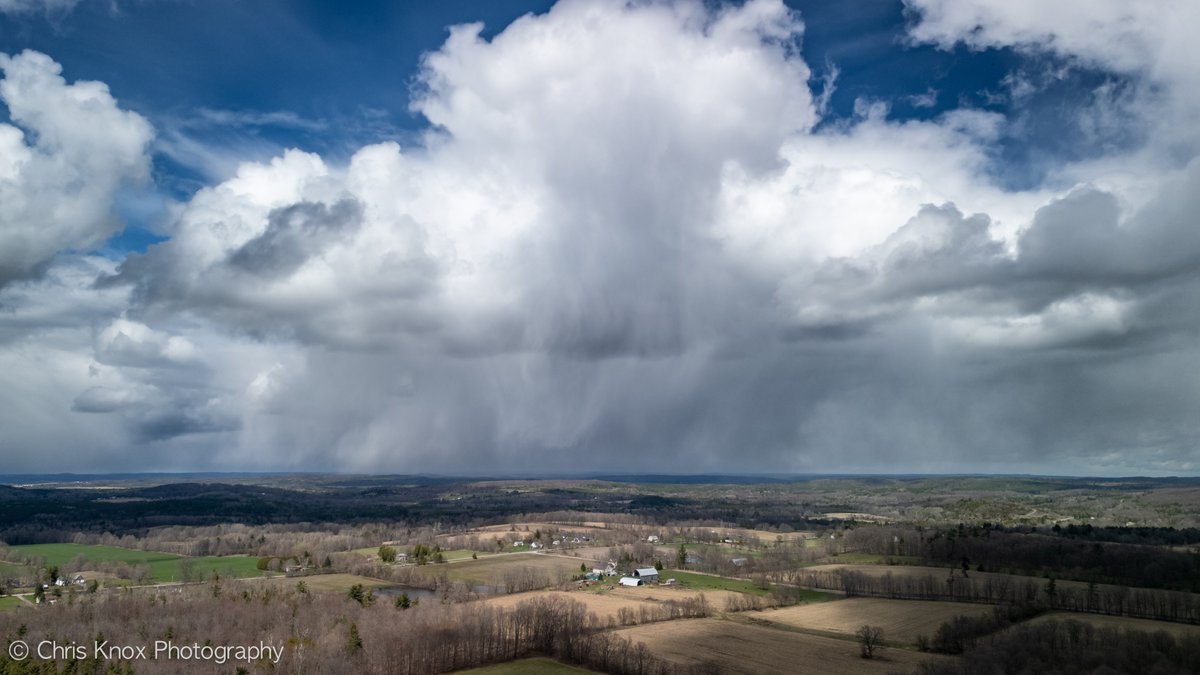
<point x="629" y="234"/>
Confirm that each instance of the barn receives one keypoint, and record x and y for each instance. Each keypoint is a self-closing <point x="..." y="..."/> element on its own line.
<point x="648" y="575"/>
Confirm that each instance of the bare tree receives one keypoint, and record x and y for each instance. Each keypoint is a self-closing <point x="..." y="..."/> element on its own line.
<point x="870" y="640"/>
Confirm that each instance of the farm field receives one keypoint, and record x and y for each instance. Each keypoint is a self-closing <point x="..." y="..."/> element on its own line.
<point x="901" y="620"/>
<point x="763" y="536"/>
<point x="731" y="647"/>
<point x="8" y="569"/>
<point x="8" y="602"/>
<point x="1104" y="621"/>
<point x="943" y="572"/>
<point x="606" y="604"/>
<point x="491" y="570"/>
<point x="163" y="566"/>
<point x="706" y="582"/>
<point x="534" y="666"/>
<point x="875" y="559"/>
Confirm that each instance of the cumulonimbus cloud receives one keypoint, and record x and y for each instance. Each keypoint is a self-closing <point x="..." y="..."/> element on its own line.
<point x="624" y="235"/>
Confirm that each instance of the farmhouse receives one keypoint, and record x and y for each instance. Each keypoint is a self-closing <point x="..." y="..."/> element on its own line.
<point x="646" y="574"/>
<point x="631" y="581"/>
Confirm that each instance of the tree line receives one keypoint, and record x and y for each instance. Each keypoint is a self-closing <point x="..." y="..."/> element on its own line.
<point x="324" y="633"/>
<point x="1000" y="589"/>
<point x="1073" y="648"/>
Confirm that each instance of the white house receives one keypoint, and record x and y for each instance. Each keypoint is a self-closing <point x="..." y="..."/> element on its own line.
<point x="653" y="539"/>
<point x="631" y="581"/>
<point x="646" y="574"/>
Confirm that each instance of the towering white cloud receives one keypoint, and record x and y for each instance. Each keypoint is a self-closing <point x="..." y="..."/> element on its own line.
<point x="68" y="151"/>
<point x="626" y="234"/>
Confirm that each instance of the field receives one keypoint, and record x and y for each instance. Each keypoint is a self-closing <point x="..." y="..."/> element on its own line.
<point x="766" y="537"/>
<point x="14" y="571"/>
<point x="943" y="572"/>
<point x="731" y="647"/>
<point x="703" y="582"/>
<point x="491" y="570"/>
<point x="328" y="583"/>
<point x="1103" y="621"/>
<point x="163" y="566"/>
<point x="8" y="602"/>
<point x="606" y="604"/>
<point x="534" y="666"/>
<point x="875" y="559"/>
<point x="901" y="620"/>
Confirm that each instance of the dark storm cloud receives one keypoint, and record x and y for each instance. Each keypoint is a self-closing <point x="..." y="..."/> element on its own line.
<point x="164" y="425"/>
<point x="295" y="233"/>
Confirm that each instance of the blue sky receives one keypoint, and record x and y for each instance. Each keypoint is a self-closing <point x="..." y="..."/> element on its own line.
<point x="910" y="235"/>
<point x="330" y="77"/>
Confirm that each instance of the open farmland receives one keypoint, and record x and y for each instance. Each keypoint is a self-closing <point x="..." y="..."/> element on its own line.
<point x="1105" y="621"/>
<point x="8" y="602"/>
<point x="162" y="566"/>
<point x="901" y="620"/>
<point x="493" y="570"/>
<point x="14" y="571"/>
<point x="606" y="604"/>
<point x="921" y="571"/>
<point x="712" y="582"/>
<point x="763" y="537"/>
<point x="730" y="647"/>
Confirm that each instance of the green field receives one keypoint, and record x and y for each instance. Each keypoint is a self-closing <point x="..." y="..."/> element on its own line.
<point x="874" y="559"/>
<point x="534" y="666"/>
<point x="704" y="582"/>
<point x="8" y="569"/>
<point x="8" y="602"/>
<point x="163" y="566"/>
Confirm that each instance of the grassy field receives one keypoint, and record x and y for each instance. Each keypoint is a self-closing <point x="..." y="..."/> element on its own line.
<point x="491" y="570"/>
<point x="8" y="569"/>
<point x="607" y="603"/>
<point x="701" y="582"/>
<point x="874" y="559"/>
<point x="943" y="572"/>
<point x="1103" y="621"/>
<point x="8" y="602"/>
<point x="731" y="647"/>
<point x="163" y="566"/>
<point x="534" y="666"/>
<point x="901" y="620"/>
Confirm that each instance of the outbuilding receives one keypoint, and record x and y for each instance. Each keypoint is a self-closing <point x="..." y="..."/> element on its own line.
<point x="646" y="574"/>
<point x="631" y="581"/>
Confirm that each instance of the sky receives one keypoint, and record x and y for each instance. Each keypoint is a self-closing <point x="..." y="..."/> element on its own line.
<point x="508" y="237"/>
